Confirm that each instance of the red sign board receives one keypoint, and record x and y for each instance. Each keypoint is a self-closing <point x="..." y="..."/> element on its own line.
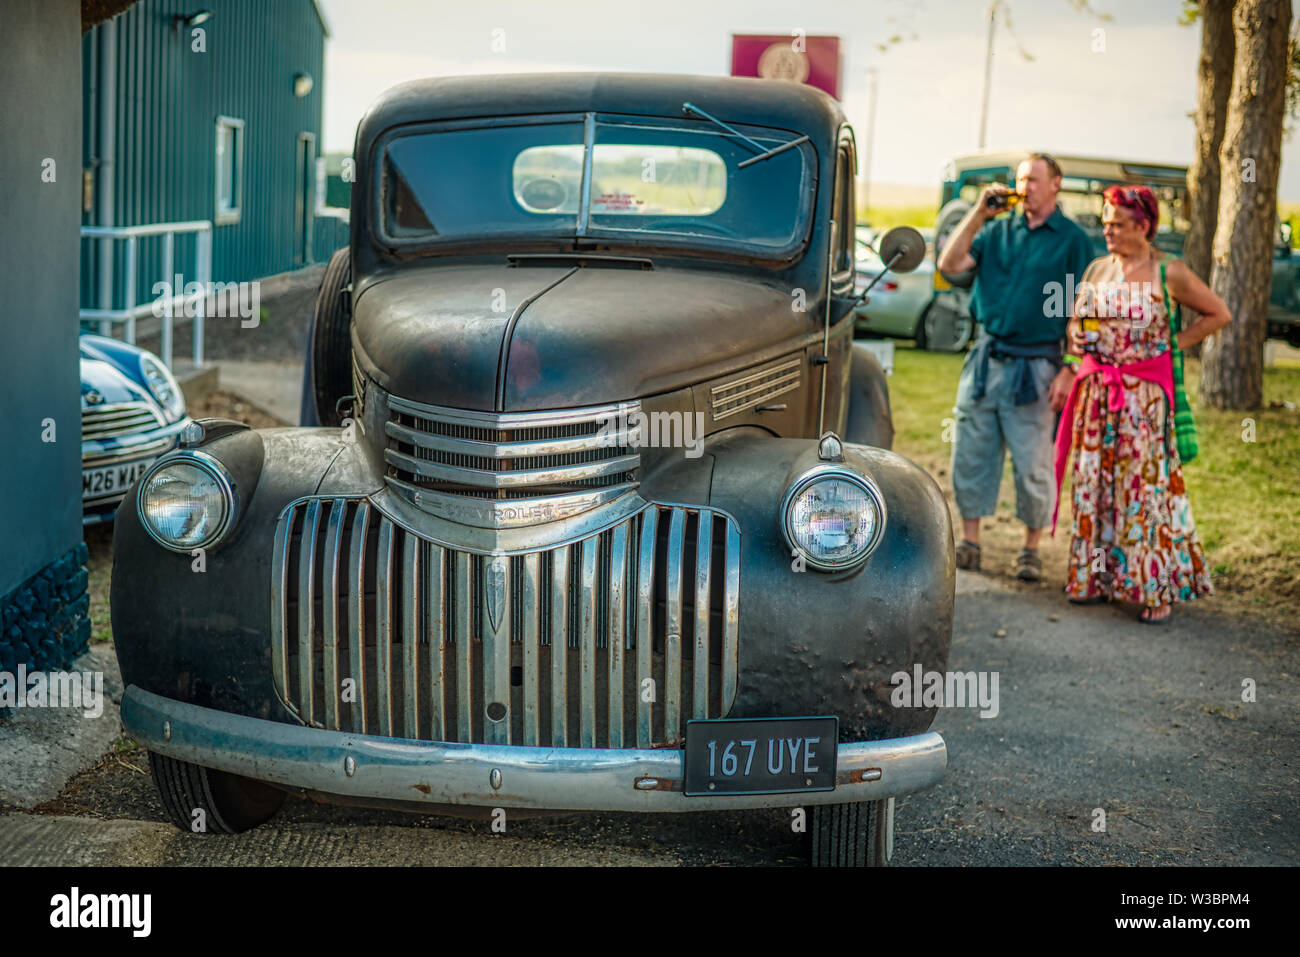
<point x="811" y="60"/>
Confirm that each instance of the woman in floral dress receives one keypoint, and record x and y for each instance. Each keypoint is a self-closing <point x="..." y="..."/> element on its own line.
<point x="1133" y="536"/>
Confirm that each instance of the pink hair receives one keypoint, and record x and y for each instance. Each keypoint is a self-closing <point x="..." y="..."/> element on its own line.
<point x="1140" y="202"/>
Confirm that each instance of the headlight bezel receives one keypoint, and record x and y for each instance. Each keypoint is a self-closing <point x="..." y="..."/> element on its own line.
<point x="174" y="410"/>
<point x="225" y="484"/>
<point x="819" y="473"/>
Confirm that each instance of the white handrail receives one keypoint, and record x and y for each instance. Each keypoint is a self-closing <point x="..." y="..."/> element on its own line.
<point x="131" y="311"/>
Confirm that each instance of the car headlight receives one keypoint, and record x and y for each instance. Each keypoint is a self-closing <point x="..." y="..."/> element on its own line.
<point x="833" y="517"/>
<point x="164" y="387"/>
<point x="187" y="501"/>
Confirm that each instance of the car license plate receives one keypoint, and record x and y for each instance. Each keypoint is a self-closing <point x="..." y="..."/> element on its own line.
<point x="109" y="480"/>
<point x="760" y="756"/>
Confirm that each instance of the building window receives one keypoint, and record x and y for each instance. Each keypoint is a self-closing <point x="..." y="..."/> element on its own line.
<point x="230" y="169"/>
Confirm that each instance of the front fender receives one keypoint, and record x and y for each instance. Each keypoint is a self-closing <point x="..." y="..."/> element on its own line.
<point x="827" y="643"/>
<point x="203" y="636"/>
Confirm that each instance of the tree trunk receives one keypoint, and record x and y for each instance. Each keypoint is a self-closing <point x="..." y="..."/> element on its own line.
<point x="1213" y="82"/>
<point x="1232" y="373"/>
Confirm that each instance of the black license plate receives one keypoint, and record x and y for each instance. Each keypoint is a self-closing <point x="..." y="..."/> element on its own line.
<point x="760" y="756"/>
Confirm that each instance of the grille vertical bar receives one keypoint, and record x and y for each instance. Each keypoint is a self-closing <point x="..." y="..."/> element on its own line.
<point x="532" y="647"/>
<point x="559" y="646"/>
<point x="731" y="616"/>
<point x="384" y="629"/>
<point x="496" y="645"/>
<point x="703" y="565"/>
<point x="463" y="641"/>
<point x="329" y="611"/>
<point x="617" y="631"/>
<point x="587" y="643"/>
<point x="306" y="610"/>
<point x="435" y="611"/>
<point x="627" y="633"/>
<point x="357" y="618"/>
<point x="411" y="577"/>
<point x="673" y="638"/>
<point x="645" y="580"/>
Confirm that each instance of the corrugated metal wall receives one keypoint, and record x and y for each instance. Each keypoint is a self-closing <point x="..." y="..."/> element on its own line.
<point x="169" y="96"/>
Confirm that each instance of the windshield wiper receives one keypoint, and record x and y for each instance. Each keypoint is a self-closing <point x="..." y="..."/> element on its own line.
<point x="763" y="154"/>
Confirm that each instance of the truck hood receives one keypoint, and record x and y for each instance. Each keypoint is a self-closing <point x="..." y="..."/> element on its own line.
<point x="514" y="339"/>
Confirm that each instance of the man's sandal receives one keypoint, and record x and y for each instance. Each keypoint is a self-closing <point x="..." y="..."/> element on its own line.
<point x="1029" y="567"/>
<point x="968" y="555"/>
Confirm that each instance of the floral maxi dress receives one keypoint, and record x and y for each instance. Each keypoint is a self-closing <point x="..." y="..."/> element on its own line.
<point x="1133" y="537"/>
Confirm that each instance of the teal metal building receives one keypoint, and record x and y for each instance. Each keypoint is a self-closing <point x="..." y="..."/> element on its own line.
<point x="203" y="111"/>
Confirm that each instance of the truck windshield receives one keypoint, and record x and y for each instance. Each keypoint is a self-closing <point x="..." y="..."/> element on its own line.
<point x="661" y="183"/>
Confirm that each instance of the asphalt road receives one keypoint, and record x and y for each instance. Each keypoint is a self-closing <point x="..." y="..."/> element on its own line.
<point x="1095" y="712"/>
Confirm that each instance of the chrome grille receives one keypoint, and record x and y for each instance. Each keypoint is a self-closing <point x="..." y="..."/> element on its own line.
<point x="124" y="418"/>
<point x="447" y="461"/>
<point x="753" y="389"/>
<point x="129" y="453"/>
<point x="614" y="640"/>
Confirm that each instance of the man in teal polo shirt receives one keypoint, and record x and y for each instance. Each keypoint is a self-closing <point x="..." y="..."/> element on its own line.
<point x="1013" y="383"/>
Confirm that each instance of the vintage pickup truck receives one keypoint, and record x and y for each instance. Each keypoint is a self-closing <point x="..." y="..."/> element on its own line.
<point x="603" y="514"/>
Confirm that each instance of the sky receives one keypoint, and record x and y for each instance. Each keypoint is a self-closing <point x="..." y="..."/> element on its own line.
<point x="1128" y="91"/>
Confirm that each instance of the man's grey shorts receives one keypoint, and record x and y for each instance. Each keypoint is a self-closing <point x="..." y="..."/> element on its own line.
<point x="985" y="429"/>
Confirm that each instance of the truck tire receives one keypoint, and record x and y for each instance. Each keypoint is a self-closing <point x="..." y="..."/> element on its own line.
<point x="330" y="352"/>
<point x="853" y="835"/>
<point x="231" y="804"/>
<point x="870" y="421"/>
<point x="941" y="329"/>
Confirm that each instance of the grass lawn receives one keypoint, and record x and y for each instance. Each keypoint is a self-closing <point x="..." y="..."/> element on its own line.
<point x="1245" y="494"/>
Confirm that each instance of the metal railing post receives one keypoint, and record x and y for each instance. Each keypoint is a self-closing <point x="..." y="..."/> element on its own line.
<point x="203" y="267"/>
<point x="169" y="243"/>
<point x="130" y="288"/>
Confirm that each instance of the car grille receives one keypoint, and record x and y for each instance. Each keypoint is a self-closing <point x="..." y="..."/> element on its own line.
<point x="129" y="454"/>
<point x="740" y="395"/>
<point x="613" y="640"/>
<point x="502" y="469"/>
<point x="125" y="418"/>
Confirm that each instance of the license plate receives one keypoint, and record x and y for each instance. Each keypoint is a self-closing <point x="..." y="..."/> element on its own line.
<point x="760" y="756"/>
<point x="109" y="480"/>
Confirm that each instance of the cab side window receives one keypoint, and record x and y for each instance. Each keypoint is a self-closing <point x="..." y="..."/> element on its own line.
<point x="845" y="214"/>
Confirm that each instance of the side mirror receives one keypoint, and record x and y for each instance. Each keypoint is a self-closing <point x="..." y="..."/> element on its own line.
<point x="902" y="249"/>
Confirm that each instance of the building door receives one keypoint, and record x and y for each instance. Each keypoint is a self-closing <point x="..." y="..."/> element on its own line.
<point x="305" y="204"/>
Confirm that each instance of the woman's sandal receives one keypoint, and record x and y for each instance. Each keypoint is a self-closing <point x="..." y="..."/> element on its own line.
<point x="968" y="555"/>
<point x="1090" y="600"/>
<point x="1142" y="617"/>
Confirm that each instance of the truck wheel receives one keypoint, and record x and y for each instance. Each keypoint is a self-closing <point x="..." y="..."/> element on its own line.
<point x="331" y="340"/>
<point x="941" y="329"/>
<point x="230" y="803"/>
<point x="853" y="835"/>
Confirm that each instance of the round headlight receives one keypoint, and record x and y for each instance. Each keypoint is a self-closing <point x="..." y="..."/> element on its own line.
<point x="834" y="518"/>
<point x="187" y="501"/>
<point x="164" y="387"/>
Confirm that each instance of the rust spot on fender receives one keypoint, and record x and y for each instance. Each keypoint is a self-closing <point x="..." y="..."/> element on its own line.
<point x="423" y="788"/>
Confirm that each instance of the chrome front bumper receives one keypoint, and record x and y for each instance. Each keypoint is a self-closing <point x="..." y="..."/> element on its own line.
<point x="480" y="775"/>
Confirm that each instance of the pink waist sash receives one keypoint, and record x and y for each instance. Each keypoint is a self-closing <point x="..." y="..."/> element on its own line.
<point x="1159" y="370"/>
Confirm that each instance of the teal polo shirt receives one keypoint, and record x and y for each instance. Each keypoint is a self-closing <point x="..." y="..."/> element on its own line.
<point x="1014" y="263"/>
